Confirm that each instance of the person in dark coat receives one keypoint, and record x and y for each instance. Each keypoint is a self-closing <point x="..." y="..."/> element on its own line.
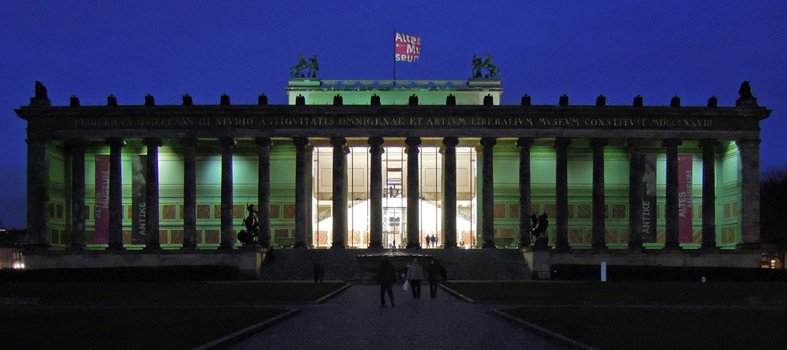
<point x="319" y="272"/>
<point x="387" y="277"/>
<point x="435" y="272"/>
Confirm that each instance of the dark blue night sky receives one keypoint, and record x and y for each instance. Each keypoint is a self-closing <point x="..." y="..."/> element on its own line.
<point x="658" y="49"/>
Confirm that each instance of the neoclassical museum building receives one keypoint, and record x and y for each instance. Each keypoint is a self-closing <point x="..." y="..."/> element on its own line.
<point x="373" y="164"/>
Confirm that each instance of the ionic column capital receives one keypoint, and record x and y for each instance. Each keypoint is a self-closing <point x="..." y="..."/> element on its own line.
<point x="488" y="141"/>
<point x="227" y="142"/>
<point x="598" y="143"/>
<point x="671" y="143"/>
<point x="524" y="142"/>
<point x="263" y="141"/>
<point x="302" y="142"/>
<point x="450" y="141"/>
<point x="562" y="142"/>
<point x="712" y="143"/>
<point x="152" y="141"/>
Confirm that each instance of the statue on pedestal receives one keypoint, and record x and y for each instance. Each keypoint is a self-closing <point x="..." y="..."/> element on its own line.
<point x="314" y="66"/>
<point x="477" y="66"/>
<point x="538" y="231"/>
<point x="492" y="69"/>
<point x="484" y="62"/>
<point x="41" y="91"/>
<point x="746" y="97"/>
<point x="296" y="71"/>
<point x="251" y="234"/>
<point x="311" y="67"/>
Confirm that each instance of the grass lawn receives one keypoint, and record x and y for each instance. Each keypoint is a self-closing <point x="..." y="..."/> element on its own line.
<point x="140" y="315"/>
<point x="639" y="328"/>
<point x="605" y="315"/>
<point x="132" y="328"/>
<point x="541" y="293"/>
<point x="211" y="293"/>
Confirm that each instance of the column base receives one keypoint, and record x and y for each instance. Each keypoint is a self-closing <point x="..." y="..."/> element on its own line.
<point x="115" y="247"/>
<point x="78" y="248"/>
<point x="563" y="248"/>
<point x="449" y="245"/>
<point x="300" y="244"/>
<point x="337" y="246"/>
<point x="637" y="249"/>
<point x="152" y="247"/>
<point x="191" y="246"/>
<point x="375" y="246"/>
<point x="413" y="246"/>
<point x="225" y="247"/>
<point x="599" y="246"/>
<point x="709" y="248"/>
<point x="748" y="246"/>
<point x="672" y="248"/>
<point x="489" y="244"/>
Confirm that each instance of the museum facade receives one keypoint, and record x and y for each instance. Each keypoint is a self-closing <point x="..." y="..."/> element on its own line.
<point x="413" y="164"/>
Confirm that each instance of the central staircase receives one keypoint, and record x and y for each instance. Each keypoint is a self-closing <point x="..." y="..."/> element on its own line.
<point x="340" y="264"/>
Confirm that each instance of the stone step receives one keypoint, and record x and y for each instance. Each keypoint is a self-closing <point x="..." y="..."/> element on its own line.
<point x="340" y="264"/>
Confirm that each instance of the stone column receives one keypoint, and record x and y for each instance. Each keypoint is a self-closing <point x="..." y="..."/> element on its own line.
<point x="709" y="193"/>
<point x="301" y="190"/>
<point x="413" y="195"/>
<point x="376" y="193"/>
<point x="599" y="205"/>
<point x="189" y="193"/>
<point x="449" y="191"/>
<point x="37" y="194"/>
<point x="636" y="173"/>
<point x="115" y="194"/>
<point x="339" y="192"/>
<point x="152" y="193"/>
<point x="672" y="214"/>
<point x="77" y="149"/>
<point x="264" y="189"/>
<point x="309" y="196"/>
<point x="524" y="144"/>
<point x="227" y="144"/>
<point x="750" y="191"/>
<point x="561" y="194"/>
<point x="488" y="192"/>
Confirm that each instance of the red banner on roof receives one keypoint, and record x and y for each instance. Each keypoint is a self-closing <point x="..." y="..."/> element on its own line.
<point x="408" y="47"/>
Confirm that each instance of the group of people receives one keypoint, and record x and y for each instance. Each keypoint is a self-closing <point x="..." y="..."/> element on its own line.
<point x="412" y="276"/>
<point x="431" y="241"/>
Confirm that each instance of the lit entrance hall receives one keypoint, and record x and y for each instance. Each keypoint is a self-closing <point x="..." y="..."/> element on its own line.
<point x="395" y="195"/>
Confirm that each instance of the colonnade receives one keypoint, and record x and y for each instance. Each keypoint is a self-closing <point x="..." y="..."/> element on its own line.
<point x="38" y="193"/>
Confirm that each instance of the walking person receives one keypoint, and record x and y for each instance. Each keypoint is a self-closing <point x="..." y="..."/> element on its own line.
<point x="319" y="272"/>
<point x="387" y="277"/>
<point x="435" y="272"/>
<point x="415" y="273"/>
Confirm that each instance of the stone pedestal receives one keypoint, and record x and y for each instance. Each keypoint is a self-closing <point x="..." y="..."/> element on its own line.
<point x="538" y="262"/>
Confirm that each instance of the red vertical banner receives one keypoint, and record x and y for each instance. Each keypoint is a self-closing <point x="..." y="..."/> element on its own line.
<point x="101" y="233"/>
<point x="685" y="210"/>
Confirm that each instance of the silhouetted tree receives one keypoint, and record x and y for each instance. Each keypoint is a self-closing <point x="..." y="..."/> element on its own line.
<point x="773" y="206"/>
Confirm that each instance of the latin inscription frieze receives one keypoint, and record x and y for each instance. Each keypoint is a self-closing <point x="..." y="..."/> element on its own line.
<point x="426" y="122"/>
